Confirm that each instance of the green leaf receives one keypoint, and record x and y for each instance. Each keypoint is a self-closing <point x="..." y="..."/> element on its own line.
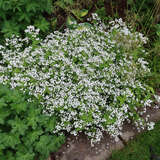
<point x="87" y="117"/>
<point x="55" y="143"/>
<point x="83" y="12"/>
<point x="42" y="145"/>
<point x="18" y="126"/>
<point x="109" y="121"/>
<point x="24" y="149"/>
<point x="121" y="99"/>
<point x="26" y="156"/>
<point x="9" y="155"/>
<point x="4" y="90"/>
<point x="5" y="5"/>
<point x="60" y="4"/>
<point x="9" y="28"/>
<point x="70" y="21"/>
<point x="47" y="91"/>
<point x="42" y="24"/>
<point x="48" y="143"/>
<point x="151" y="89"/>
<point x="13" y="96"/>
<point x="3" y="114"/>
<point x="77" y="13"/>
<point x="2" y="103"/>
<point x="2" y="142"/>
<point x="24" y="16"/>
<point x="32" y="7"/>
<point x="32" y="136"/>
<point x="33" y="117"/>
<point x="18" y="108"/>
<point x="158" y="33"/>
<point x="11" y="140"/>
<point x="51" y="123"/>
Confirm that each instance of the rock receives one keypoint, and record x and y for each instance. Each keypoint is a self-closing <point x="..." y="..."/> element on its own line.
<point x="154" y="114"/>
<point x="82" y="150"/>
<point x="129" y="132"/>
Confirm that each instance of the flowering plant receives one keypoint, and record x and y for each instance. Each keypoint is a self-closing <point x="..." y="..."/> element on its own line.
<point x="90" y="76"/>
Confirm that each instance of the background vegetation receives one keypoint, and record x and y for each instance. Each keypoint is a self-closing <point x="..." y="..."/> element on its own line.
<point x="26" y="133"/>
<point x="145" y="146"/>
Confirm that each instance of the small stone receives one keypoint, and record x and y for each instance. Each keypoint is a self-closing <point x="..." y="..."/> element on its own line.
<point x="69" y="139"/>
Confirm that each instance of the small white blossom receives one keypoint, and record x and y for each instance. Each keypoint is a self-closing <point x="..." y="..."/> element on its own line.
<point x="150" y="126"/>
<point x="86" y="76"/>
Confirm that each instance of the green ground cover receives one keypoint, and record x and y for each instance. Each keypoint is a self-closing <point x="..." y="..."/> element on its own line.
<point x="145" y="146"/>
<point x="25" y="133"/>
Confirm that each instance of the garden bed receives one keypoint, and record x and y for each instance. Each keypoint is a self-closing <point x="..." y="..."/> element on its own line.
<point x="89" y="80"/>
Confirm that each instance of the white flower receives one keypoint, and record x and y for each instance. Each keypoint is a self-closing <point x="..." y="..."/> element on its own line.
<point x="151" y="126"/>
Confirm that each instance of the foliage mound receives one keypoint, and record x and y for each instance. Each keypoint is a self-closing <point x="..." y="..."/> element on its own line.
<point x="15" y="15"/>
<point x="91" y="76"/>
<point x="25" y="133"/>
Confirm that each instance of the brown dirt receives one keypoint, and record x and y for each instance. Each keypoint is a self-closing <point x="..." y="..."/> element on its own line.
<point x="80" y="148"/>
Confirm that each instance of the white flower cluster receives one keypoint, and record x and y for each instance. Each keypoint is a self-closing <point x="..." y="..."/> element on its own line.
<point x="84" y="76"/>
<point x="133" y="39"/>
